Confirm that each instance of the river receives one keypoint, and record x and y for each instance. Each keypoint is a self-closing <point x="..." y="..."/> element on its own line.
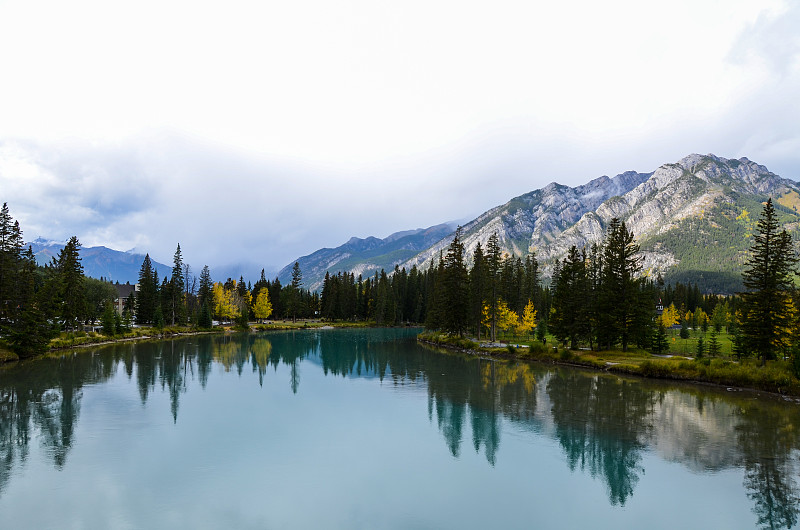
<point x="365" y="428"/>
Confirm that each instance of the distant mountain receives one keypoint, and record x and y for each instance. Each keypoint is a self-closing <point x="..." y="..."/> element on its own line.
<point x="100" y="262"/>
<point x="693" y="219"/>
<point x="365" y="256"/>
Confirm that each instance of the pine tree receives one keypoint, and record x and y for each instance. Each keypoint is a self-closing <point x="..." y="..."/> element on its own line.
<point x="107" y="320"/>
<point x="660" y="343"/>
<point x="624" y="312"/>
<point x="493" y="262"/>
<point x="177" y="299"/>
<point x="477" y="288"/>
<point x="766" y="305"/>
<point x="701" y="348"/>
<point x="146" y="296"/>
<point x="70" y="271"/>
<point x="713" y="344"/>
<point x="568" y="321"/>
<point x="31" y="328"/>
<point x="294" y="293"/>
<point x="204" y="292"/>
<point x="455" y="288"/>
<point x="10" y="250"/>
<point x="204" y="320"/>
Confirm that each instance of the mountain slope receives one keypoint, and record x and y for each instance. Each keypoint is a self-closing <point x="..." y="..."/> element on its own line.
<point x="365" y="256"/>
<point x="693" y="219"/>
<point x="99" y="262"/>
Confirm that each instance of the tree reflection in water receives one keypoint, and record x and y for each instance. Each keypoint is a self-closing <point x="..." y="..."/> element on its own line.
<point x="602" y="423"/>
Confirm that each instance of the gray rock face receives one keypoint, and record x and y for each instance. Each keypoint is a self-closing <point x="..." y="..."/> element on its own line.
<point x="550" y="220"/>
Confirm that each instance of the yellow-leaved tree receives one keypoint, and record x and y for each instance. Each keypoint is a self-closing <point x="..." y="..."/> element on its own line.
<point x="670" y="316"/>
<point x="263" y="307"/>
<point x="225" y="306"/>
<point x="528" y="320"/>
<point x="506" y="318"/>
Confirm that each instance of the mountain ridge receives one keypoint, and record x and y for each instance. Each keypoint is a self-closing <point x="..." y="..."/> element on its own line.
<point x="700" y="198"/>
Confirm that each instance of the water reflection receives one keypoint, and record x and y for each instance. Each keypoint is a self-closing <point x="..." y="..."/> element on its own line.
<point x="603" y="425"/>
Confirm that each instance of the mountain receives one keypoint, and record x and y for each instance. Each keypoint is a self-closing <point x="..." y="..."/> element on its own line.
<point x="693" y="219"/>
<point x="365" y="256"/>
<point x="98" y="262"/>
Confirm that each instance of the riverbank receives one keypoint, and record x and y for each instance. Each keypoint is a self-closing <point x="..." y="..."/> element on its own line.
<point x="81" y="339"/>
<point x="776" y="377"/>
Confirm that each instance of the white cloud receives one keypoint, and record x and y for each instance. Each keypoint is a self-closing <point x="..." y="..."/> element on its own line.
<point x="273" y="128"/>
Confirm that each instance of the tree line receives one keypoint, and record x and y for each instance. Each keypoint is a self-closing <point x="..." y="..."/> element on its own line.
<point x="182" y="299"/>
<point x="597" y="298"/>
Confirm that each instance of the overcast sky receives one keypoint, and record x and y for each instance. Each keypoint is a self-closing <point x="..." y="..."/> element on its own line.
<point x="259" y="131"/>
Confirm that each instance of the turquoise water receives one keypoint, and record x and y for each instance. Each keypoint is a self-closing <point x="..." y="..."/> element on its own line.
<point x="367" y="429"/>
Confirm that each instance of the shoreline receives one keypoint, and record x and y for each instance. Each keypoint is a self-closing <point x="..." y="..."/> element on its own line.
<point x="8" y="358"/>
<point x="790" y="392"/>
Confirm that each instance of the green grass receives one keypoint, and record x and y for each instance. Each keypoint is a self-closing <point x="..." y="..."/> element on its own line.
<point x="7" y="355"/>
<point x="308" y="324"/>
<point x="775" y="376"/>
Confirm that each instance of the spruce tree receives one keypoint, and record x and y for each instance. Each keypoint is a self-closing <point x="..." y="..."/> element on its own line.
<point x="71" y="279"/>
<point x="477" y="288"/>
<point x="204" y="320"/>
<point x="660" y="343"/>
<point x="455" y="288"/>
<point x="766" y="305"/>
<point x="569" y="320"/>
<point x="713" y="344"/>
<point x="205" y="291"/>
<point x="146" y="296"/>
<point x="294" y="293"/>
<point x="10" y="250"/>
<point x="493" y="262"/>
<point x="624" y="310"/>
<point x="107" y="320"/>
<point x="701" y="348"/>
<point x="177" y="298"/>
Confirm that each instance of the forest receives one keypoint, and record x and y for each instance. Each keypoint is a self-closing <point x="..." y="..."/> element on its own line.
<point x="597" y="297"/>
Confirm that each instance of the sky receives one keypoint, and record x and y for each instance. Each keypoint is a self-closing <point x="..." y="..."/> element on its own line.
<point x="257" y="131"/>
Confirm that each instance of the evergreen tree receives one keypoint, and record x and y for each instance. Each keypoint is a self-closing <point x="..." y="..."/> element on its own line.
<point x="158" y="318"/>
<point x="177" y="298"/>
<point x="541" y="331"/>
<point x="766" y="305"/>
<point x="71" y="279"/>
<point x="493" y="262"/>
<point x="569" y="320"/>
<point x="146" y="297"/>
<point x="31" y="328"/>
<point x="477" y="288"/>
<point x="107" y="320"/>
<point x="455" y="288"/>
<point x="701" y="348"/>
<point x="624" y="311"/>
<point x="660" y="343"/>
<point x="294" y="293"/>
<point x="10" y="250"/>
<point x="204" y="292"/>
<point x="713" y="344"/>
<point x="204" y="320"/>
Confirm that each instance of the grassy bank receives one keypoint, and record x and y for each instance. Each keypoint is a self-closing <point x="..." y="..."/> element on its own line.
<point x="776" y="376"/>
<point x="77" y="339"/>
<point x="272" y="325"/>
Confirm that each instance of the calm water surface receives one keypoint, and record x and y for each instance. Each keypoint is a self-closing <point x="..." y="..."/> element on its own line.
<point x="366" y="429"/>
